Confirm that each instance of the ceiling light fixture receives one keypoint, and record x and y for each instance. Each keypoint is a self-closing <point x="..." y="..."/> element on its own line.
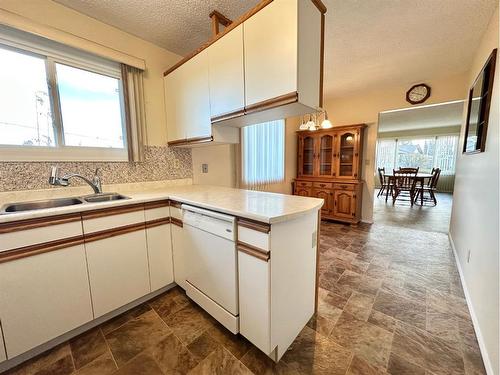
<point x="314" y="121"/>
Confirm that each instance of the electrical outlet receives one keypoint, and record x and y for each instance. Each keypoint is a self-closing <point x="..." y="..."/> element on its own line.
<point x="468" y="256"/>
<point x="204" y="168"/>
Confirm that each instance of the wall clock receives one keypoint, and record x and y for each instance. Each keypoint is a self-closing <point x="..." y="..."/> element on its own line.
<point x="418" y="93"/>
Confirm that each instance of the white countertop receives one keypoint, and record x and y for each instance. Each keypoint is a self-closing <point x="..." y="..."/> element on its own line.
<point x="256" y="205"/>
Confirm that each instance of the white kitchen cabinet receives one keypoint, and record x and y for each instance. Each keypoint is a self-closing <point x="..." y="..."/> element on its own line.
<point x="254" y="300"/>
<point x="118" y="270"/>
<point x="42" y="297"/>
<point x="3" y="356"/>
<point x="179" y="242"/>
<point x="283" y="53"/>
<point x="226" y="74"/>
<point x="187" y="100"/>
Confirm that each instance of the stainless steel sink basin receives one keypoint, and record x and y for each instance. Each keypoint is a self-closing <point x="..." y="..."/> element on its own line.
<point x="104" y="197"/>
<point x="38" y="205"/>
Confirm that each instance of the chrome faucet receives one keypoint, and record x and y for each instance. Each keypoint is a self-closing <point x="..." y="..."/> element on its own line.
<point x="56" y="180"/>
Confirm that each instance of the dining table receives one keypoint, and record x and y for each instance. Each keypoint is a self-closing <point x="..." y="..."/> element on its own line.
<point x="421" y="178"/>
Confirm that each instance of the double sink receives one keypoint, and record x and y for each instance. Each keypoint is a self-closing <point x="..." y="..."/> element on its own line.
<point x="60" y="202"/>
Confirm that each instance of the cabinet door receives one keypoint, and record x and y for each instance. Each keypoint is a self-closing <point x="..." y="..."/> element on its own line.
<point x="187" y="100"/>
<point x="344" y="205"/>
<point x="42" y="297"/>
<point x="307" y="155"/>
<point x="255" y="300"/>
<point x="161" y="271"/>
<point x="118" y="270"/>
<point x="179" y="256"/>
<point x="347" y="154"/>
<point x="325" y="145"/>
<point x="303" y="192"/>
<point x="195" y="101"/>
<point x="270" y="42"/>
<point x="326" y="196"/>
<point x="172" y="85"/>
<point x="225" y="64"/>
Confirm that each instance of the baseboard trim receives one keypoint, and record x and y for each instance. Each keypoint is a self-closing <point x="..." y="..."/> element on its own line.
<point x="475" y="322"/>
<point x="15" y="361"/>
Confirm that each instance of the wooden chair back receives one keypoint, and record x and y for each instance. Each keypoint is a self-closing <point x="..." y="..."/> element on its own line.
<point x="405" y="180"/>
<point x="409" y="170"/>
<point x="381" y="176"/>
<point x="436" y="172"/>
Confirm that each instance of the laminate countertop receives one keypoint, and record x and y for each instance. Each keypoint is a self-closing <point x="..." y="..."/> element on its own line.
<point x="255" y="205"/>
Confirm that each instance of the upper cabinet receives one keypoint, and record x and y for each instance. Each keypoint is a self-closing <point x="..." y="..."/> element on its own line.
<point x="226" y="75"/>
<point x="265" y="66"/>
<point x="187" y="100"/>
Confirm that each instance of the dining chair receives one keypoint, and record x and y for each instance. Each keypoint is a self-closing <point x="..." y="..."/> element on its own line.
<point x="385" y="183"/>
<point x="430" y="188"/>
<point x="408" y="169"/>
<point x="404" y="185"/>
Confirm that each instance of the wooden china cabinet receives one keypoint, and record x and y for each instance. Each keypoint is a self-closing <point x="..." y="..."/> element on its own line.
<point x="329" y="167"/>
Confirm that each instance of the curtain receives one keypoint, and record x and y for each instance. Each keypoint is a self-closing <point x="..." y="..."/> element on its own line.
<point x="135" y="115"/>
<point x="263" y="154"/>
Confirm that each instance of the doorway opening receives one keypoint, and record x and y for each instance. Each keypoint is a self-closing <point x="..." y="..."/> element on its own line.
<point x="415" y="166"/>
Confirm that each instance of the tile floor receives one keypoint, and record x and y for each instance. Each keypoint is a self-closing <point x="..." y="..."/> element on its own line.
<point x="402" y="214"/>
<point x="390" y="303"/>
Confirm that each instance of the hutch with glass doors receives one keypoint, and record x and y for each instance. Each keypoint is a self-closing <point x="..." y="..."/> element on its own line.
<point x="329" y="167"/>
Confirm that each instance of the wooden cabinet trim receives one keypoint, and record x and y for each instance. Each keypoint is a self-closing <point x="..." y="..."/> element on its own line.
<point x="157" y="222"/>
<point x="178" y="142"/>
<point x="190" y="141"/>
<point x="176" y="204"/>
<point x="38" y="222"/>
<point x="108" y="233"/>
<point x="228" y="115"/>
<point x="31" y="250"/>
<point x="103" y="212"/>
<point x="253" y="251"/>
<point x="156" y="204"/>
<point x="176" y="221"/>
<point x="273" y="102"/>
<point x="254" y="225"/>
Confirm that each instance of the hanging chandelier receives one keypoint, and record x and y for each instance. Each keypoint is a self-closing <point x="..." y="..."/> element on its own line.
<point x="313" y="121"/>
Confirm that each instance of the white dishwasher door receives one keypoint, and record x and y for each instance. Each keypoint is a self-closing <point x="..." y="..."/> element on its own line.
<point x="211" y="257"/>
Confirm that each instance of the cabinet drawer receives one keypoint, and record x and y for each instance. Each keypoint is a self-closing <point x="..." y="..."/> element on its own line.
<point x="350" y="187"/>
<point x="156" y="213"/>
<point x="323" y="185"/>
<point x="36" y="231"/>
<point x="303" y="183"/>
<point x="107" y="219"/>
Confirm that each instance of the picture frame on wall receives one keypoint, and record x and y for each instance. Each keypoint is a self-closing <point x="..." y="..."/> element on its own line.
<point x="478" y="108"/>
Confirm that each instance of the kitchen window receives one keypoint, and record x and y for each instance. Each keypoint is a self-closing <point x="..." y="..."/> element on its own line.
<point x="263" y="153"/>
<point x="58" y="103"/>
<point x="424" y="152"/>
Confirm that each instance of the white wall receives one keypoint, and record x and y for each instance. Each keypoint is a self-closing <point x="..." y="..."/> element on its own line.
<point x="221" y="165"/>
<point x="475" y="218"/>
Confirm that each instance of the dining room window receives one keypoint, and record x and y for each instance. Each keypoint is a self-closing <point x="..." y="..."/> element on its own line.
<point x="423" y="152"/>
<point x="263" y="153"/>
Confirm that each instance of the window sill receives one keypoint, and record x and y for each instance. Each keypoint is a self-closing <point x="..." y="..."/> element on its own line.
<point x="62" y="154"/>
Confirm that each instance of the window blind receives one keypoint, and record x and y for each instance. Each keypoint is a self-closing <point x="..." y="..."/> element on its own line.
<point x="263" y="154"/>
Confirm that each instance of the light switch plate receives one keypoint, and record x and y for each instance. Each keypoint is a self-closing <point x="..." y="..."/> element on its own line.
<point x="204" y="168"/>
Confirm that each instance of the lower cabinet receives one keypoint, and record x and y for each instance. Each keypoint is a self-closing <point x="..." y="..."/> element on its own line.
<point x="254" y="300"/>
<point x="161" y="271"/>
<point x="179" y="242"/>
<point x="344" y="204"/>
<point x="43" y="296"/>
<point x="118" y="270"/>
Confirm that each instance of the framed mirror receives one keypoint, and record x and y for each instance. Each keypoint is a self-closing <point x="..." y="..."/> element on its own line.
<point x="478" y="108"/>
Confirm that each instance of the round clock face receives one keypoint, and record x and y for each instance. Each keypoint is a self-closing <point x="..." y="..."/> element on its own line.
<point x="418" y="94"/>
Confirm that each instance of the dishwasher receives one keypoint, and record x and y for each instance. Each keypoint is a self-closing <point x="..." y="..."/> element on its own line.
<point x="211" y="263"/>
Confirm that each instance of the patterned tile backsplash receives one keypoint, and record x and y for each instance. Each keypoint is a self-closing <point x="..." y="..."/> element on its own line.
<point x="161" y="163"/>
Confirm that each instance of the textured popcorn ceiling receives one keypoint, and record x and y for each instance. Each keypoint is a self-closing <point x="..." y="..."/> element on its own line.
<point x="369" y="43"/>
